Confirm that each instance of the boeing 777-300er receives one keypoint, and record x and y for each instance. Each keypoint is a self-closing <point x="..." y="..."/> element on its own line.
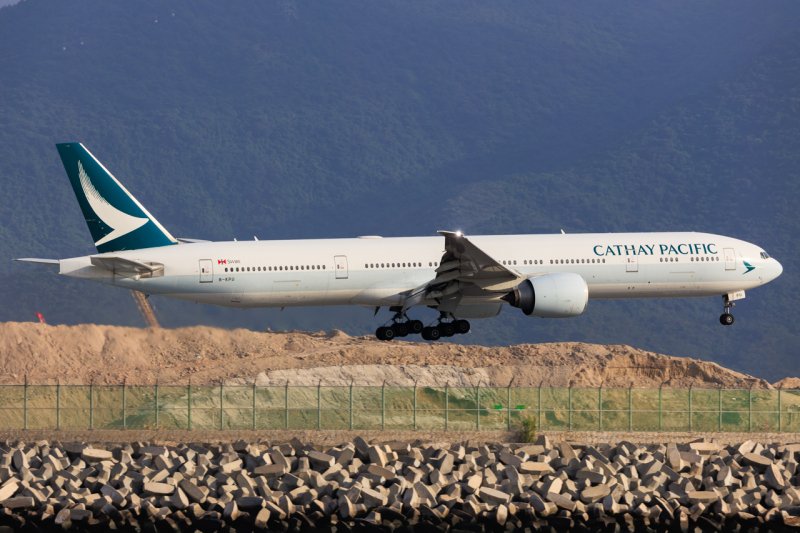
<point x="462" y="277"/>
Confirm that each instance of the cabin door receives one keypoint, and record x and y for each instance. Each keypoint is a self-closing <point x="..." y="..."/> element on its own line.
<point x="340" y="263"/>
<point x="206" y="271"/>
<point x="632" y="265"/>
<point x="730" y="259"/>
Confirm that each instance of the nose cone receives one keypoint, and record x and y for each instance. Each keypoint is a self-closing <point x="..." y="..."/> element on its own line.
<point x="778" y="270"/>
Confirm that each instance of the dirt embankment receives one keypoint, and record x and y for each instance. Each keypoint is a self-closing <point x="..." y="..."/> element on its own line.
<point x="110" y="355"/>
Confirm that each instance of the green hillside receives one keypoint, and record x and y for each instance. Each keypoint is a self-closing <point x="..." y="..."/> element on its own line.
<point x="400" y="118"/>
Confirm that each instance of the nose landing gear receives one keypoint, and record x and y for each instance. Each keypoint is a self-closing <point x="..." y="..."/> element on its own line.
<point x="726" y="319"/>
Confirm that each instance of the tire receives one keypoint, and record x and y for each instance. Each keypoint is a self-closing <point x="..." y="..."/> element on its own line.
<point x="462" y="327"/>
<point x="448" y="329"/>
<point x="389" y="334"/>
<point x="426" y="334"/>
<point x="434" y="334"/>
<point x="415" y="327"/>
<point x="400" y="329"/>
<point x="726" y="319"/>
<point x="381" y="333"/>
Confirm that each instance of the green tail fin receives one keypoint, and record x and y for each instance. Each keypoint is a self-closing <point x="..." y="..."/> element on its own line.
<point x="116" y="220"/>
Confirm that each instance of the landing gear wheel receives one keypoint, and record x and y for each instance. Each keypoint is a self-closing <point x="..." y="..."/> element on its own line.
<point x="400" y="329"/>
<point x="447" y="329"/>
<point x="415" y="327"/>
<point x="381" y="333"/>
<point x="431" y="334"/>
<point x="462" y="326"/>
<point x="389" y="334"/>
<point x="726" y="319"/>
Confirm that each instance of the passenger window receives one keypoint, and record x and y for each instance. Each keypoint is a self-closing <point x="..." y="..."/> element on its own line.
<point x="226" y="270"/>
<point x="551" y="261"/>
<point x="604" y="260"/>
<point x="323" y="267"/>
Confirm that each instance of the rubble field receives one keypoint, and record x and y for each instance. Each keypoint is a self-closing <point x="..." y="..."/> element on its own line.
<point x="401" y="486"/>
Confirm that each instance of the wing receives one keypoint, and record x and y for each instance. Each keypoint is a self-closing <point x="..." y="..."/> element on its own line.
<point x="465" y="268"/>
<point x="40" y="261"/>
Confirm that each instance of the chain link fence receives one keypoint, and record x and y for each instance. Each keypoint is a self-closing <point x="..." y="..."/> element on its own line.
<point x="134" y="407"/>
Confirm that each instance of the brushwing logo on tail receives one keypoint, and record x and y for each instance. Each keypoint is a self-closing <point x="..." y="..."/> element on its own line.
<point x="121" y="223"/>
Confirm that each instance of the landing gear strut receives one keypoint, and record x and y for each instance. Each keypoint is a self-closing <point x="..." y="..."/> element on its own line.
<point x="726" y="319"/>
<point x="401" y="326"/>
<point x="445" y="328"/>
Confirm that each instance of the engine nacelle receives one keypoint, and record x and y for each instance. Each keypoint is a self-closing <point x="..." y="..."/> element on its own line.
<point x="558" y="295"/>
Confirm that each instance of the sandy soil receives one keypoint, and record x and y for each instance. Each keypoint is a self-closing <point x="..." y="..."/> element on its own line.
<point x="110" y="355"/>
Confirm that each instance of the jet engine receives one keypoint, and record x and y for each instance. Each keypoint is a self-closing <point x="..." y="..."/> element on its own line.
<point x="558" y="295"/>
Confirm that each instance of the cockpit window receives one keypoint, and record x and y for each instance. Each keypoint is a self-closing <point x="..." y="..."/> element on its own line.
<point x="764" y="255"/>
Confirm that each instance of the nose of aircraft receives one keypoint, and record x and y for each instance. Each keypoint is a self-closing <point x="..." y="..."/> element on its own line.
<point x="778" y="269"/>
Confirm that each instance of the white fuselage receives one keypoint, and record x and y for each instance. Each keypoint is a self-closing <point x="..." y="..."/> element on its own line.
<point x="375" y="272"/>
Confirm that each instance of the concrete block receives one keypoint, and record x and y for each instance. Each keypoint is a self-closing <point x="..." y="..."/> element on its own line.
<point x="774" y="477"/>
<point x="381" y="471"/>
<point x="373" y="499"/>
<point x="320" y="460"/>
<point x="377" y="455"/>
<point x="561" y="501"/>
<point x="158" y="489"/>
<point x="492" y="496"/>
<point x="271" y="471"/>
<point x="535" y="469"/>
<point x="91" y="455"/>
<point x="759" y="462"/>
<point x="595" y="494"/>
<point x="703" y="497"/>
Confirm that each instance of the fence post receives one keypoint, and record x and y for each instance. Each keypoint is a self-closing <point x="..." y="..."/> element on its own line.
<point x="415" y="405"/>
<point x="540" y="406"/>
<point x="254" y="404"/>
<point x="569" y="403"/>
<point x="221" y="404"/>
<point x="780" y="414"/>
<point x="446" y="405"/>
<point x="156" y="403"/>
<point x="383" y="405"/>
<point x="58" y="404"/>
<point x="509" y="403"/>
<point x="25" y="403"/>
<point x="691" y="409"/>
<point x="319" y="405"/>
<point x="630" y="407"/>
<point x="750" y="409"/>
<point x="286" y="403"/>
<point x="719" y="411"/>
<point x="91" y="404"/>
<point x="189" y="404"/>
<point x="660" y="407"/>
<point x="478" y="403"/>
<point x="124" y="405"/>
<point x="600" y="408"/>
<point x="351" y="407"/>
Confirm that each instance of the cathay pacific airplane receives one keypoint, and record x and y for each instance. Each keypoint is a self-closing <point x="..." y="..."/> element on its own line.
<point x="462" y="277"/>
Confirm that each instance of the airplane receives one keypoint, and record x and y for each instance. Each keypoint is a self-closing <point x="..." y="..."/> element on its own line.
<point x="462" y="277"/>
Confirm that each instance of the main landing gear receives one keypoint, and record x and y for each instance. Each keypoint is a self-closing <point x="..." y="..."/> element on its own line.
<point x="726" y="319"/>
<point x="402" y="328"/>
<point x="399" y="328"/>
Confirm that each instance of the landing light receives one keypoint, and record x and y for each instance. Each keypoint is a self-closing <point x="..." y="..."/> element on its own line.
<point x="458" y="234"/>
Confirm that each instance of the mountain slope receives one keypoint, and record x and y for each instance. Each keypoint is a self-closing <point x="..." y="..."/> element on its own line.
<point x="400" y="118"/>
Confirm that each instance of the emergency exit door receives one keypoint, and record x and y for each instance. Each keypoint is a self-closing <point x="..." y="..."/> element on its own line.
<point x="206" y="272"/>
<point x="340" y="263"/>
<point x="730" y="259"/>
<point x="632" y="265"/>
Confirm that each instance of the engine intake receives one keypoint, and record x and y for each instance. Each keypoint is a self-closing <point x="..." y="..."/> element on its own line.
<point x="559" y="295"/>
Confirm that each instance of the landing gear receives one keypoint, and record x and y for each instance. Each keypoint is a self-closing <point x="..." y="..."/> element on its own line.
<point x="402" y="326"/>
<point x="726" y="319"/>
<point x="399" y="327"/>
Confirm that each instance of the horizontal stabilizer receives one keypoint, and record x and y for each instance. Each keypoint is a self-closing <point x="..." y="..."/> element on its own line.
<point x="40" y="261"/>
<point x="190" y="241"/>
